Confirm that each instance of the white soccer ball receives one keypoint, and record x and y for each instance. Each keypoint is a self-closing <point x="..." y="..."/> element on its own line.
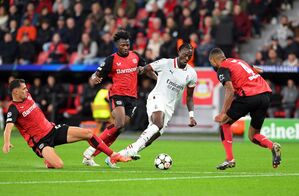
<point x="163" y="161"/>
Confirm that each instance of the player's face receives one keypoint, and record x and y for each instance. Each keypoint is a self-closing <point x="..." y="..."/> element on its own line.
<point x="184" y="57"/>
<point x="22" y="92"/>
<point x="124" y="47"/>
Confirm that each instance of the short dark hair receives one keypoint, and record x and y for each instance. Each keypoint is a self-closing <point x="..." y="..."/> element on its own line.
<point x="215" y="51"/>
<point x="16" y="83"/>
<point x="122" y="34"/>
<point x="185" y="46"/>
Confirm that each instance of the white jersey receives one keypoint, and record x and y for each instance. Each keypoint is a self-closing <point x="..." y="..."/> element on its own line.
<point x="172" y="80"/>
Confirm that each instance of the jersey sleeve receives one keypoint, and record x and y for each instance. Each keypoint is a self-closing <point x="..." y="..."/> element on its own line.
<point x="12" y="114"/>
<point x="141" y="61"/>
<point x="223" y="75"/>
<point x="193" y="79"/>
<point x="105" y="68"/>
<point x="159" y="65"/>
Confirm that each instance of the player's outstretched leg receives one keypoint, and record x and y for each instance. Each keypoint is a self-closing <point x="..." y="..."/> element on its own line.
<point x="76" y="134"/>
<point x="227" y="141"/>
<point x="51" y="159"/>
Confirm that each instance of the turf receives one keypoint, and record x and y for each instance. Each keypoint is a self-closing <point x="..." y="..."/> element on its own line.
<point x="193" y="171"/>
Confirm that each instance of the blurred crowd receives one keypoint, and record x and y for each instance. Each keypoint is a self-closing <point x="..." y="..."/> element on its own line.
<point x="283" y="48"/>
<point x="73" y="31"/>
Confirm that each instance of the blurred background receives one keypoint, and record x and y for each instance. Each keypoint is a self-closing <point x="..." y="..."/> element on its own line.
<point x="55" y="45"/>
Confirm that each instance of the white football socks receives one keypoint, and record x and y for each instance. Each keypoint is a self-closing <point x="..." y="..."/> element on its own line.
<point x="89" y="152"/>
<point x="144" y="137"/>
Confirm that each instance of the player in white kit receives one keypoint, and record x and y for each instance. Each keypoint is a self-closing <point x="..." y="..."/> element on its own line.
<point x="173" y="76"/>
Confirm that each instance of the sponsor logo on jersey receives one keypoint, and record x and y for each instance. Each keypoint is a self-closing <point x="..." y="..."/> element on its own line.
<point x="29" y="110"/>
<point x="41" y="146"/>
<point x="123" y="71"/>
<point x="174" y="86"/>
<point x="119" y="102"/>
<point x="118" y="63"/>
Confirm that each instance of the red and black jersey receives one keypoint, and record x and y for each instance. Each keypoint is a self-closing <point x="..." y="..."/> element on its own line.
<point x="244" y="79"/>
<point x="123" y="72"/>
<point x="29" y="119"/>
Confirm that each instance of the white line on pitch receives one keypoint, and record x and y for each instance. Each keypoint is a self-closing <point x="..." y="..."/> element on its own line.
<point x="122" y="171"/>
<point x="146" y="179"/>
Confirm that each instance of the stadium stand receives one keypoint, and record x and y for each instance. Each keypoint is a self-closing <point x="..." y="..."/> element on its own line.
<point x="73" y="31"/>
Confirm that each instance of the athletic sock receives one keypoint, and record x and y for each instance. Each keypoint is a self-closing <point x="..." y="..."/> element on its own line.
<point x="227" y="140"/>
<point x="89" y="152"/>
<point x="144" y="138"/>
<point x="262" y="141"/>
<point x="99" y="144"/>
<point x="109" y="135"/>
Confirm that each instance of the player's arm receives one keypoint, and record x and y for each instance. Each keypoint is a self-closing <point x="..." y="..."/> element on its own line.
<point x="190" y="105"/>
<point x="257" y="69"/>
<point x="224" y="78"/>
<point x="7" y="132"/>
<point x="148" y="70"/>
<point x="102" y="71"/>
<point x="141" y="68"/>
<point x="229" y="96"/>
<point x="12" y="115"/>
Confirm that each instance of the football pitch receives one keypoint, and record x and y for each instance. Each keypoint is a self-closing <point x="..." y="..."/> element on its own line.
<point x="193" y="171"/>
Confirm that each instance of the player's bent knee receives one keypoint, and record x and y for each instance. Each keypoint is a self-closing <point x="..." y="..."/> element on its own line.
<point x="89" y="133"/>
<point x="58" y="165"/>
<point x="159" y="125"/>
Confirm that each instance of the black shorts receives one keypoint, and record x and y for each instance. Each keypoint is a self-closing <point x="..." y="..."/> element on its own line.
<point x="57" y="136"/>
<point x="130" y="104"/>
<point x="256" y="106"/>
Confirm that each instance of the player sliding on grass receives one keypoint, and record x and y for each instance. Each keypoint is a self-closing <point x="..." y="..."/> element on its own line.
<point x="173" y="76"/>
<point x="252" y="95"/>
<point x="41" y="135"/>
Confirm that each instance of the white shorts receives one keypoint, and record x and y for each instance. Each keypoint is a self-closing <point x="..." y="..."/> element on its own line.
<point x="156" y="103"/>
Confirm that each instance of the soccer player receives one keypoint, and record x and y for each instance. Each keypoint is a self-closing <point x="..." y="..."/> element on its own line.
<point x="252" y="95"/>
<point x="122" y="68"/>
<point x="41" y="135"/>
<point x="173" y="76"/>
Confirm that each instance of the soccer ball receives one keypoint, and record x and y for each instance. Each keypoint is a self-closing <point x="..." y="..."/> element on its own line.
<point x="163" y="161"/>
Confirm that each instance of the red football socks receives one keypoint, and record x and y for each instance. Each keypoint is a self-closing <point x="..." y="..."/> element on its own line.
<point x="109" y="135"/>
<point x="227" y="141"/>
<point x="262" y="141"/>
<point x="98" y="144"/>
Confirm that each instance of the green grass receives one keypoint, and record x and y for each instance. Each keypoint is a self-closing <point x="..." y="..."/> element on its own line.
<point x="193" y="171"/>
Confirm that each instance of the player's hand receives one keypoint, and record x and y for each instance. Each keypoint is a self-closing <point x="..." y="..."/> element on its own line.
<point x="219" y="118"/>
<point x="140" y="70"/>
<point x="95" y="79"/>
<point x="6" y="147"/>
<point x="192" y="122"/>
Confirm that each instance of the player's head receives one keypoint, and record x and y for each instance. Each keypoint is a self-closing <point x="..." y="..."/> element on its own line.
<point x="216" y="57"/>
<point x="122" y="41"/>
<point x="18" y="89"/>
<point x="185" y="53"/>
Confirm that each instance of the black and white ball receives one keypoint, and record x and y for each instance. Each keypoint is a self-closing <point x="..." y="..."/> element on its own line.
<point x="163" y="161"/>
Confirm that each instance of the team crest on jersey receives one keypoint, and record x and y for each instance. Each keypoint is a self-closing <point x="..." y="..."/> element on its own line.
<point x="134" y="61"/>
